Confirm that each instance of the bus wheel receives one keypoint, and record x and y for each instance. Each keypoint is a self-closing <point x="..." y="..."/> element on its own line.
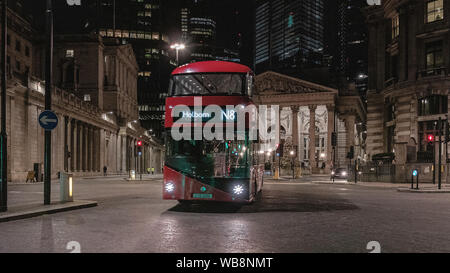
<point x="184" y="202"/>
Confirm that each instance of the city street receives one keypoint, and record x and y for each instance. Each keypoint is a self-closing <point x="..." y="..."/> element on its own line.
<point x="290" y="217"/>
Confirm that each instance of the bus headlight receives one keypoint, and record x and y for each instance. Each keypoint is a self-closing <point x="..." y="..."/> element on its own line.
<point x="169" y="187"/>
<point x="238" y="189"/>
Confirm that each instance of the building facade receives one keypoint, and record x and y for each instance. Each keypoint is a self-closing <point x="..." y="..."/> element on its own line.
<point x="289" y="36"/>
<point x="198" y="31"/>
<point x="301" y="103"/>
<point x="141" y="24"/>
<point x="346" y="43"/>
<point x="94" y="97"/>
<point x="409" y="83"/>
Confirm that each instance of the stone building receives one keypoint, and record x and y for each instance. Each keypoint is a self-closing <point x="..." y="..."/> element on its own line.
<point x="94" y="97"/>
<point x="303" y="103"/>
<point x="409" y="82"/>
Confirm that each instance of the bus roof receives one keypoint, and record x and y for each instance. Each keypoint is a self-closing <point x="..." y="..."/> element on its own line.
<point x="212" y="67"/>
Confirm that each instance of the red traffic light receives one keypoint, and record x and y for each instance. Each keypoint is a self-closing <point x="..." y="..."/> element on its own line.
<point x="430" y="138"/>
<point x="139" y="143"/>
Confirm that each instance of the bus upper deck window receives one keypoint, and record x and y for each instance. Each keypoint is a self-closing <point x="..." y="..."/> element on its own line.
<point x="249" y="84"/>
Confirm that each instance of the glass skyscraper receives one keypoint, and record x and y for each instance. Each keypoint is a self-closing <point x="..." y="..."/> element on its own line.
<point x="289" y="35"/>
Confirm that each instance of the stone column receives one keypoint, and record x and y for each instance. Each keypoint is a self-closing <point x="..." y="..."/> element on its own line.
<point x="312" y="137"/>
<point x="330" y="130"/>
<point x="97" y="150"/>
<point x="73" y="146"/>
<point x="85" y="148"/>
<point x="91" y="149"/>
<point x="350" y="131"/>
<point x="277" y="158"/>
<point x="80" y="147"/>
<point x="102" y="149"/>
<point x="297" y="169"/>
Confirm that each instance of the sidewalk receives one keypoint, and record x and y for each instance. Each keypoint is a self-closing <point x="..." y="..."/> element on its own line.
<point x="145" y="177"/>
<point x="33" y="210"/>
<point x="320" y="179"/>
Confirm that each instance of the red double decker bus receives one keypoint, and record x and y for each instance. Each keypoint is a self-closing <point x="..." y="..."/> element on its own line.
<point x="214" y="170"/>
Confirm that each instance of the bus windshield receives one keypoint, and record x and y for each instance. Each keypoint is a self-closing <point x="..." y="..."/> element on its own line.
<point x="208" y="84"/>
<point x="209" y="159"/>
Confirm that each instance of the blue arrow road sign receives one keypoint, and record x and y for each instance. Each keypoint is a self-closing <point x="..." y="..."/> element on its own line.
<point x="48" y="120"/>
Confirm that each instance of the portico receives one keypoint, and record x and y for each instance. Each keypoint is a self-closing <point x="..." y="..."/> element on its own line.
<point x="309" y="114"/>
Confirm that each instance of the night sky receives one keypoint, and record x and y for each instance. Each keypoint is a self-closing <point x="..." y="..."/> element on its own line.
<point x="232" y="17"/>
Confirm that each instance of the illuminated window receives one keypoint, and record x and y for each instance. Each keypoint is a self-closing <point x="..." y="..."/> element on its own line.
<point x="395" y="27"/>
<point x="435" y="10"/>
<point x="70" y="53"/>
<point x="433" y="105"/>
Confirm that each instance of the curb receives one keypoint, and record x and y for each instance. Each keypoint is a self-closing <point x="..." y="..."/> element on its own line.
<point x="423" y="190"/>
<point x="43" y="210"/>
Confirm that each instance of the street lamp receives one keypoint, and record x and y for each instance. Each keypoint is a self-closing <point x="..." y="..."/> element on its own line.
<point x="178" y="47"/>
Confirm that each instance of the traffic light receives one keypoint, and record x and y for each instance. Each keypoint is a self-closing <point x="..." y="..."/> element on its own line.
<point x="139" y="148"/>
<point x="334" y="139"/>
<point x="351" y="154"/>
<point x="280" y="149"/>
<point x="447" y="132"/>
<point x="430" y="138"/>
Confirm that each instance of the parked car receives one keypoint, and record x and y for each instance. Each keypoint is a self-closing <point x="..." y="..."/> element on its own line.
<point x="340" y="173"/>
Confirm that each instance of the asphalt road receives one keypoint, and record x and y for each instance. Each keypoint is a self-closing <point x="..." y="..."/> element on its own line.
<point x="290" y="217"/>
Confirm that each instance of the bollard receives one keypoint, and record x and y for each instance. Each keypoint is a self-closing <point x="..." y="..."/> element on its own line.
<point x="132" y="175"/>
<point x="66" y="187"/>
<point x="415" y="173"/>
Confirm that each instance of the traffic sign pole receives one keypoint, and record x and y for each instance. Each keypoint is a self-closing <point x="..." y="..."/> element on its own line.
<point x="440" y="154"/>
<point x="48" y="103"/>
<point x="4" y="137"/>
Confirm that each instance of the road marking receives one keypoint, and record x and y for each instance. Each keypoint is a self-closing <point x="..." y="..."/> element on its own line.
<point x="284" y="183"/>
<point x="20" y="192"/>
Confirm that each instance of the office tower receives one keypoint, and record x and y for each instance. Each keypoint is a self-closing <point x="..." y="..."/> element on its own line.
<point x="139" y="23"/>
<point x="351" y="48"/>
<point x="289" y="36"/>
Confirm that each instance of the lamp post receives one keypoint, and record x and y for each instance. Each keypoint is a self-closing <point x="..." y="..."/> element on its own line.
<point x="292" y="153"/>
<point x="177" y="48"/>
<point x="48" y="101"/>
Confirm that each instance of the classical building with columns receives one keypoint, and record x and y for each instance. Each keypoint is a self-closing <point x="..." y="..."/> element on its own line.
<point x="94" y="96"/>
<point x="409" y="83"/>
<point x="303" y="103"/>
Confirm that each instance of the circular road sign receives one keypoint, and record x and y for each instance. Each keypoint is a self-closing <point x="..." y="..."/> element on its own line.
<point x="48" y="120"/>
